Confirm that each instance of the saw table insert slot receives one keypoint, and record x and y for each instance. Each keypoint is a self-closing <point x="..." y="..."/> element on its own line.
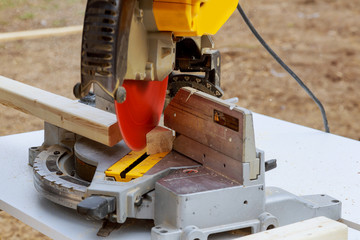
<point x="133" y="165"/>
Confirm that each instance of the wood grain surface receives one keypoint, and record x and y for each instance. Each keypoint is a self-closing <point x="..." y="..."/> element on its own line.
<point x="71" y="115"/>
<point x="40" y="33"/>
<point x="320" y="228"/>
<point x="191" y="113"/>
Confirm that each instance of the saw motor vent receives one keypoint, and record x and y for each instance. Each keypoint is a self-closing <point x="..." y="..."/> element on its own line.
<point x="99" y="45"/>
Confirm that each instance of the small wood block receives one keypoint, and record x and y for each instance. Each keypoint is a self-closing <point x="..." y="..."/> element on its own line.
<point x="320" y="228"/>
<point x="159" y="140"/>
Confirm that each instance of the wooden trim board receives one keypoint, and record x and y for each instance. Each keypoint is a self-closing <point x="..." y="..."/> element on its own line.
<point x="39" y="33"/>
<point x="90" y="122"/>
<point x="320" y="228"/>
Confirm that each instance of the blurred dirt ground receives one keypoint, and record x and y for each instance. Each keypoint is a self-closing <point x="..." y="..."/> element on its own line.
<point x="319" y="39"/>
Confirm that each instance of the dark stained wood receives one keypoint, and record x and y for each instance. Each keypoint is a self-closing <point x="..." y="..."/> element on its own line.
<point x="191" y="113"/>
<point x="210" y="158"/>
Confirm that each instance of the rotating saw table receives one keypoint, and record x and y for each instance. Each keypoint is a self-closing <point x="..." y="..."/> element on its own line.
<point x="309" y="161"/>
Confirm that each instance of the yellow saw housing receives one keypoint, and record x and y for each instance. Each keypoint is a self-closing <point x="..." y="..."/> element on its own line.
<point x="150" y="49"/>
<point x="192" y="17"/>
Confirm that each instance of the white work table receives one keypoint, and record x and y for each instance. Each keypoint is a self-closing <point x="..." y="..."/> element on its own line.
<point x="309" y="162"/>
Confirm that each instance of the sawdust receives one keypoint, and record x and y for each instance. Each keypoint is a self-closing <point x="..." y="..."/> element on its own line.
<point x="320" y="40"/>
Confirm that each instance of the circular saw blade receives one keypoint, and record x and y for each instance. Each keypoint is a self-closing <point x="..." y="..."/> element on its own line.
<point x="141" y="111"/>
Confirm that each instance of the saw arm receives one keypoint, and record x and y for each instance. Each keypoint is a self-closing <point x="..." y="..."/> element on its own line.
<point x="142" y="42"/>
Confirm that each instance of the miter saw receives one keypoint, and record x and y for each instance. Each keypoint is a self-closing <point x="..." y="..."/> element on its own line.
<point x="137" y="55"/>
<point x="135" y="50"/>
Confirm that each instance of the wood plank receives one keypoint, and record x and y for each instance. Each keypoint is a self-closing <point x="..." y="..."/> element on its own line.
<point x="210" y="158"/>
<point x="192" y="114"/>
<point x="320" y="228"/>
<point x="213" y="122"/>
<point x="40" y="33"/>
<point x="90" y="122"/>
<point x="159" y="140"/>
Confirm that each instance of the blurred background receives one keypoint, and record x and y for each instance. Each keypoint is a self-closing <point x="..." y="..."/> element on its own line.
<point x="318" y="39"/>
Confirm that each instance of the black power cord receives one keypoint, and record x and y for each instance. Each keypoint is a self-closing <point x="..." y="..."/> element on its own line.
<point x="283" y="65"/>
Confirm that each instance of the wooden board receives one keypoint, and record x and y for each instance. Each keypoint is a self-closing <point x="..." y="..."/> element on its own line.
<point x="320" y="228"/>
<point x="192" y="114"/>
<point x="71" y="115"/>
<point x="222" y="126"/>
<point x="210" y="158"/>
<point x="40" y="33"/>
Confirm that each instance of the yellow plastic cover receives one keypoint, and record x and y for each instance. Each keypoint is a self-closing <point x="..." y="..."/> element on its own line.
<point x="192" y="17"/>
<point x="123" y="171"/>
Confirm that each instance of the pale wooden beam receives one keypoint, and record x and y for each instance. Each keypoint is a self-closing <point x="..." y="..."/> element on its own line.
<point x="320" y="228"/>
<point x="40" y="33"/>
<point x="90" y="122"/>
